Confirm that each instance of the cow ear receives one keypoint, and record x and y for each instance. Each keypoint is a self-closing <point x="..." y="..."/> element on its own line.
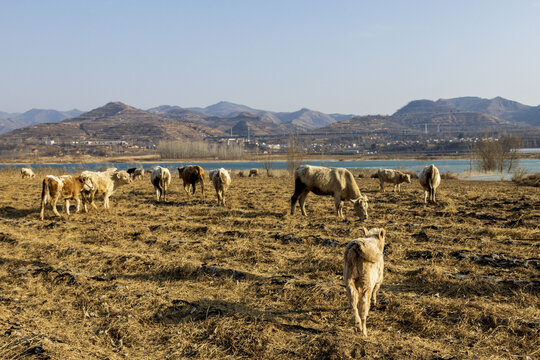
<point x="366" y="232"/>
<point x="382" y="234"/>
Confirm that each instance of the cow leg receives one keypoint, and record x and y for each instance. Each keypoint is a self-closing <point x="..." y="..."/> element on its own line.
<point x="302" y="201"/>
<point x="339" y="206"/>
<point x="78" y="200"/>
<point x="165" y="193"/>
<point x="426" y="194"/>
<point x="299" y="188"/>
<point x="186" y="189"/>
<point x="55" y="211"/>
<point x="374" y="293"/>
<point x="158" y="194"/>
<point x="106" y="201"/>
<point x="42" y="212"/>
<point x="364" y="308"/>
<point x="381" y="185"/>
<point x="92" y="194"/>
<point x="67" y="206"/>
<point x="353" y="295"/>
<point x="433" y="195"/>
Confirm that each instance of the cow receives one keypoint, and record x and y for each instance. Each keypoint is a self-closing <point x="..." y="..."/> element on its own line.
<point x="337" y="182"/>
<point x="253" y="172"/>
<point x="105" y="182"/>
<point x="221" y="180"/>
<point x="363" y="273"/>
<point x="138" y="174"/>
<point x="430" y="179"/>
<point x="66" y="186"/>
<point x="27" y="173"/>
<point x="191" y="175"/>
<point x="160" y="178"/>
<point x="135" y="173"/>
<point x="395" y="177"/>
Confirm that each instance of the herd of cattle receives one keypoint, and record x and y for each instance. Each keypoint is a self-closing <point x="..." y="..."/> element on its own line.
<point x="364" y="263"/>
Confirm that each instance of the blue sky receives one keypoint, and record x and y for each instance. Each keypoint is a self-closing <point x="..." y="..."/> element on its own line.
<point x="360" y="57"/>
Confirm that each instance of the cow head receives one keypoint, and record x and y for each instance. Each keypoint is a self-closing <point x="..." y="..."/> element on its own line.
<point x="181" y="171"/>
<point x="122" y="177"/>
<point x="407" y="178"/>
<point x="86" y="183"/>
<point x="361" y="207"/>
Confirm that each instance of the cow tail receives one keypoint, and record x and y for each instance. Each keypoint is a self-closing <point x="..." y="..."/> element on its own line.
<point x="45" y="195"/>
<point x="431" y="179"/>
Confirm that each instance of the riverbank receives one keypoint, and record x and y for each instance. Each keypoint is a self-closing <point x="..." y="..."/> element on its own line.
<point x="153" y="158"/>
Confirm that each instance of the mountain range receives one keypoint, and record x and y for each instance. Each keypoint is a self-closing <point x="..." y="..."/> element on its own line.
<point x="118" y="121"/>
<point x="11" y="121"/>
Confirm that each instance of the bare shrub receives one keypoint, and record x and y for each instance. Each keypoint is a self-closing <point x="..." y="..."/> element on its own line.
<point x="293" y="157"/>
<point x="497" y="154"/>
<point x="449" y="176"/>
<point x="268" y="166"/>
<point x="521" y="177"/>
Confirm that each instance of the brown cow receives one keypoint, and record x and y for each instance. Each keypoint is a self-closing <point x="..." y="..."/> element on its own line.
<point x="191" y="175"/>
<point x="67" y="186"/>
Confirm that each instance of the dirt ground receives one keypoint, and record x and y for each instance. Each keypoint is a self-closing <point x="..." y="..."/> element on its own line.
<point x="189" y="279"/>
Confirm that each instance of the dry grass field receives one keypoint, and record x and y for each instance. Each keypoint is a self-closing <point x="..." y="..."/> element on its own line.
<point x="189" y="279"/>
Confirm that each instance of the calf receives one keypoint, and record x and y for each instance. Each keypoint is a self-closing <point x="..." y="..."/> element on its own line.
<point x="27" y="173"/>
<point x="221" y="180"/>
<point x="67" y="186"/>
<point x="191" y="175"/>
<point x="395" y="177"/>
<point x="105" y="183"/>
<point x="430" y="180"/>
<point x="160" y="178"/>
<point x="337" y="182"/>
<point x="363" y="273"/>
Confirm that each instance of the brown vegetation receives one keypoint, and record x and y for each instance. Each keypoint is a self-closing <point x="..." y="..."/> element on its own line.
<point x="182" y="279"/>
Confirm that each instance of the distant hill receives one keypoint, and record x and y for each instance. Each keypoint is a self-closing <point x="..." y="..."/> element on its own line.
<point x="464" y="120"/>
<point x="502" y="108"/>
<point x="113" y="121"/>
<point x="305" y="119"/>
<point x="301" y="120"/>
<point x="10" y="122"/>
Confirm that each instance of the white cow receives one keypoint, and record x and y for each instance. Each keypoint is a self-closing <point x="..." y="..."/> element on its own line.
<point x="430" y="179"/>
<point x="221" y="180"/>
<point x="337" y="182"/>
<point x="160" y="178"/>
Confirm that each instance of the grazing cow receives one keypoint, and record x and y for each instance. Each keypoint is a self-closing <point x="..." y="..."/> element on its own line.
<point x="67" y="186"/>
<point x="160" y="178"/>
<point x="363" y="273"/>
<point x="253" y="172"/>
<point x="338" y="182"/>
<point x="138" y="173"/>
<point x="27" y="173"/>
<point x="395" y="177"/>
<point x="221" y="180"/>
<point x="105" y="182"/>
<point x="135" y="173"/>
<point x="430" y="180"/>
<point x="191" y="175"/>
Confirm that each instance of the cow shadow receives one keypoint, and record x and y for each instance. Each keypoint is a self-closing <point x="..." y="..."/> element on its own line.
<point x="182" y="311"/>
<point x="9" y="212"/>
